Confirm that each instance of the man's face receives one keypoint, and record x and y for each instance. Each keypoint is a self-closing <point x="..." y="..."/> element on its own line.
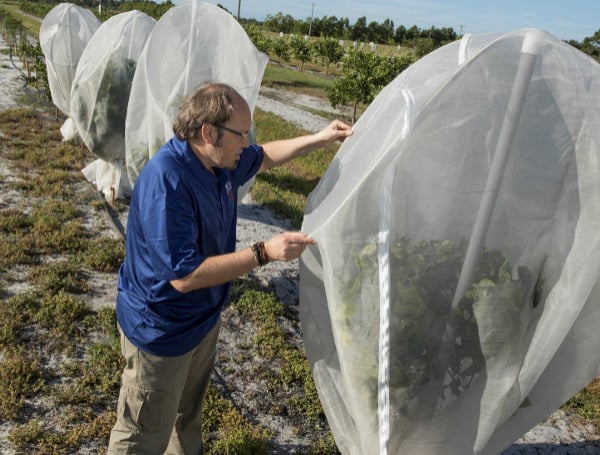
<point x="234" y="137"/>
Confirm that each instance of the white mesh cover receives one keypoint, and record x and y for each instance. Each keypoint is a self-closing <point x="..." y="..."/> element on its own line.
<point x="192" y="43"/>
<point x="452" y="301"/>
<point x="64" y="33"/>
<point x="102" y="82"/>
<point x="100" y="92"/>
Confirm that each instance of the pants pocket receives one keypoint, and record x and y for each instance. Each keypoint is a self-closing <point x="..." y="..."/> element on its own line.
<point x="140" y="408"/>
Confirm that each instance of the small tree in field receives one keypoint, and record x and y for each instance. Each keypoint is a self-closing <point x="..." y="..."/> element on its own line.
<point x="364" y="74"/>
<point x="281" y="49"/>
<point x="330" y="51"/>
<point x="423" y="46"/>
<point x="301" y="50"/>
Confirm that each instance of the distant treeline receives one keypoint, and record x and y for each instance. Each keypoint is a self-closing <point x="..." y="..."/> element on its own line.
<point x="386" y="32"/>
<point x="361" y="31"/>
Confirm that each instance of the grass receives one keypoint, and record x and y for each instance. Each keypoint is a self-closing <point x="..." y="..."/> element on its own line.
<point x="21" y="377"/>
<point x="103" y="255"/>
<point x="61" y="275"/>
<point x="302" y="82"/>
<point x="283" y="366"/>
<point x="31" y="24"/>
<point x="233" y="433"/>
<point x="54" y="351"/>
<point x="586" y="403"/>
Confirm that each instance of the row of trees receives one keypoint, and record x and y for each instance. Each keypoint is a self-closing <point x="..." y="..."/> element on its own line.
<point x="103" y="9"/>
<point x="381" y="33"/>
<point x="386" y="32"/>
<point x="363" y="72"/>
<point x="327" y="50"/>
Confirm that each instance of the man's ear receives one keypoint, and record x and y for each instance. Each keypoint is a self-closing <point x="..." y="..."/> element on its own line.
<point x="208" y="134"/>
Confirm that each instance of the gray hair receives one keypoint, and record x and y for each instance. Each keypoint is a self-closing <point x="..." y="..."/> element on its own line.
<point x="211" y="103"/>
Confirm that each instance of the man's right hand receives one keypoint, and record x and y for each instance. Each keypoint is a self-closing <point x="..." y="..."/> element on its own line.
<point x="287" y="246"/>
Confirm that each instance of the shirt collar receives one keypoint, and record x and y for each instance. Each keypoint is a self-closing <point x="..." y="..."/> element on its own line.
<point x="183" y="149"/>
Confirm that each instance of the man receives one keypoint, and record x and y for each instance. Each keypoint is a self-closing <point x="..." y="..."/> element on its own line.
<point x="180" y="260"/>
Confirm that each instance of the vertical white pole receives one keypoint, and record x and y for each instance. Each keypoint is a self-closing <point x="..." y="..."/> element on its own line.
<point x="383" y="389"/>
<point x="385" y="288"/>
<point x="529" y="53"/>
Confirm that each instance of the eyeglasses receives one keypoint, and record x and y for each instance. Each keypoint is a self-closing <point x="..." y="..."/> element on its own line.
<point x="244" y="136"/>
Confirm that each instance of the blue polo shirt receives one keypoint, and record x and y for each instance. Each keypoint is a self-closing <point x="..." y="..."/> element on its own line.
<point x="180" y="214"/>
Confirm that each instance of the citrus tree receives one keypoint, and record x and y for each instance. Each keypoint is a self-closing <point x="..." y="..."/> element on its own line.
<point x="301" y="50"/>
<point x="364" y="74"/>
<point x="329" y="50"/>
<point x="281" y="49"/>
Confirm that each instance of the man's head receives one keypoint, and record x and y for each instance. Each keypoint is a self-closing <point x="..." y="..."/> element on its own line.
<point x="215" y="120"/>
<point x="211" y="104"/>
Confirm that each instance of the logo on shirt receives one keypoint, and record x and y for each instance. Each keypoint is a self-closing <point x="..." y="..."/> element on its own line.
<point x="229" y="190"/>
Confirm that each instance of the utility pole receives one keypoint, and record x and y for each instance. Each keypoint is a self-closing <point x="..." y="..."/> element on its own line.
<point x="312" y="12"/>
<point x="239" y="5"/>
<point x="461" y="29"/>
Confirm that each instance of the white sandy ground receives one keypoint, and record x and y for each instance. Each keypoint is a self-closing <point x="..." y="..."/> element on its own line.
<point x="559" y="434"/>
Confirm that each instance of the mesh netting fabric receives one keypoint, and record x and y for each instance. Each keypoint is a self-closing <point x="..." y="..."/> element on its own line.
<point x="64" y="34"/>
<point x="191" y="44"/>
<point x="448" y="304"/>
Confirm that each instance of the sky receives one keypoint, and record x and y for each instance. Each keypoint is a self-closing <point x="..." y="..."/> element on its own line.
<point x="565" y="19"/>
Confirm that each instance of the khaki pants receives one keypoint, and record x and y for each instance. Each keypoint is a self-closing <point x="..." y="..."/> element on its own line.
<point x="160" y="402"/>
